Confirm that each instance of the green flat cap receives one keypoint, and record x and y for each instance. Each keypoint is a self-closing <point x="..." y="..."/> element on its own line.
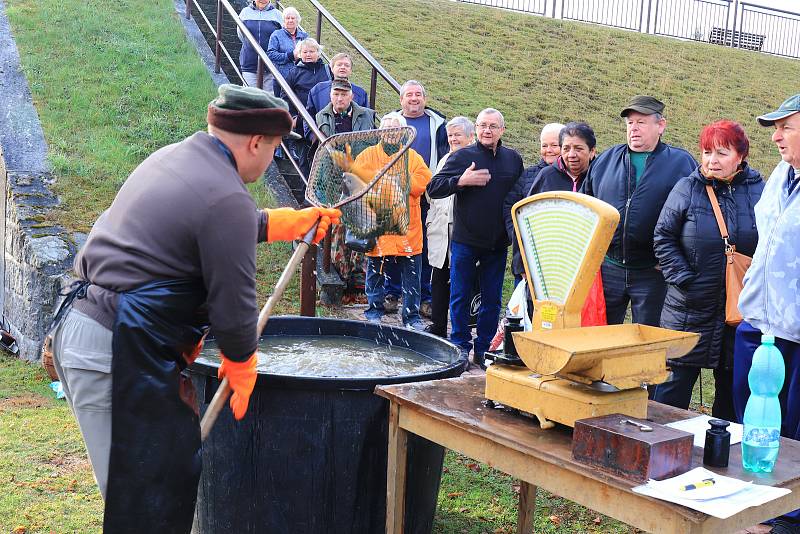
<point x="250" y="110"/>
<point x="646" y="105"/>
<point x="789" y="107"/>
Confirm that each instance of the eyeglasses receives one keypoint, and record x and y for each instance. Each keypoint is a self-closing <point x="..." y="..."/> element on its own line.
<point x="484" y="126"/>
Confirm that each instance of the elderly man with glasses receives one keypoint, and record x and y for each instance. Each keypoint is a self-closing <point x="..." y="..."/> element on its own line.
<point x="480" y="176"/>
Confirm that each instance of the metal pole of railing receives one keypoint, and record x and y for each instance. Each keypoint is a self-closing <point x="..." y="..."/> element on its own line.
<point x="641" y="15"/>
<point x="373" y="88"/>
<point x="319" y="27"/>
<point x="554" y="9"/>
<point x="326" y="253"/>
<point x="356" y="45"/>
<point x="733" y="28"/>
<point x="727" y="20"/>
<point x="741" y="25"/>
<point x="217" y="50"/>
<point x="649" y="14"/>
<point x="189" y="9"/>
<point x="308" y="283"/>
<point x="260" y="74"/>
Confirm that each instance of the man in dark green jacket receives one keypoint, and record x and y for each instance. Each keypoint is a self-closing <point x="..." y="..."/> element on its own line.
<point x="342" y="114"/>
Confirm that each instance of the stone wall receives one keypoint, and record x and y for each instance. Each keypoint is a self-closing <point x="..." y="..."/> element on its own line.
<point x="37" y="257"/>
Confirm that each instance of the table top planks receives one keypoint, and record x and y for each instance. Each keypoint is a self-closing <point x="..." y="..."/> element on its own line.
<point x="458" y="402"/>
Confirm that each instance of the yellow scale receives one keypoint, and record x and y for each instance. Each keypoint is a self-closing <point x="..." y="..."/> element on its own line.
<point x="575" y="372"/>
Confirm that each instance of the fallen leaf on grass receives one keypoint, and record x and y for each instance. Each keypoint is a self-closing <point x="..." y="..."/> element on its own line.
<point x="445" y="470"/>
<point x="455" y="494"/>
<point x="72" y="485"/>
<point x="20" y="530"/>
<point x="555" y="520"/>
<point x="474" y="467"/>
<point x="463" y="510"/>
<point x="597" y="520"/>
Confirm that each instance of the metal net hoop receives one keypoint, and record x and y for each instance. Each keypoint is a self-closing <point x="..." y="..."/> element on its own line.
<point x="365" y="174"/>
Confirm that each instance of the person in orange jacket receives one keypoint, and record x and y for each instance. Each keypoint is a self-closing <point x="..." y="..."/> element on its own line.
<point x="405" y="250"/>
<point x="175" y="251"/>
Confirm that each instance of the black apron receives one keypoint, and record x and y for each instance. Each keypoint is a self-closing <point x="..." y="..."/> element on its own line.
<point x="155" y="460"/>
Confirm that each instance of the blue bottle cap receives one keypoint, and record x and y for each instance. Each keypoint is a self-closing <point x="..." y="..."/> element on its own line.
<point x="768" y="338"/>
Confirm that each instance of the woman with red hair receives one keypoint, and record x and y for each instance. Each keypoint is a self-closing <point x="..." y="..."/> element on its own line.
<point x="691" y="253"/>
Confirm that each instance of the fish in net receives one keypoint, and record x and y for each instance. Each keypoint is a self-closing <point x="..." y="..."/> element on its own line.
<point x="365" y="174"/>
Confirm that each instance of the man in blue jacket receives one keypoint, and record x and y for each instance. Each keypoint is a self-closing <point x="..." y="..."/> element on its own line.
<point x="320" y="94"/>
<point x="480" y="176"/>
<point x="636" y="177"/>
<point x="770" y="299"/>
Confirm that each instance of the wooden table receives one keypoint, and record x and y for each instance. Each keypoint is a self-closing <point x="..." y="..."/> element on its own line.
<point x="450" y="413"/>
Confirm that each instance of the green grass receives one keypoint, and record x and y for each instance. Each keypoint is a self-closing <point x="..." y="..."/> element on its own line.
<point x="46" y="482"/>
<point x="538" y="70"/>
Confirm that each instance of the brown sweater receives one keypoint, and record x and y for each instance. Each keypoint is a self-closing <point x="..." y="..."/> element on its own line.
<point x="184" y="212"/>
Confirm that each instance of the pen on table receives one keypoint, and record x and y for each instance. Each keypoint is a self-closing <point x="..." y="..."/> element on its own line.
<point x="702" y="484"/>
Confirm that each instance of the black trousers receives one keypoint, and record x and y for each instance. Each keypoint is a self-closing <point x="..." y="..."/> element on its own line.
<point x="440" y="298"/>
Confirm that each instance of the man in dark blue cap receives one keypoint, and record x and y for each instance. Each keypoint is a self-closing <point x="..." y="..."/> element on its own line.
<point x="636" y="178"/>
<point x="770" y="299"/>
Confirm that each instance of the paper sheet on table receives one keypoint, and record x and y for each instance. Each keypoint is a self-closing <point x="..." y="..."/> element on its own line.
<point x="721" y="507"/>
<point x="698" y="426"/>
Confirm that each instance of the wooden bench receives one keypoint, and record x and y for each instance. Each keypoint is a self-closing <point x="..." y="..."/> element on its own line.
<point x="747" y="41"/>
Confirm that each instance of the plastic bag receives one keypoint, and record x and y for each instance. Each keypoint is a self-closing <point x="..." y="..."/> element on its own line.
<point x="517" y="307"/>
<point x="58" y="389"/>
<point x="594" y="308"/>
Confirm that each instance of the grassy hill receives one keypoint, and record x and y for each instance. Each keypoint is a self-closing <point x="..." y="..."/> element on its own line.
<point x="538" y="70"/>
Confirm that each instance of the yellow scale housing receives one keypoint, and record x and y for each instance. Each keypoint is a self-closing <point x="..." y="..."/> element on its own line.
<point x="563" y="237"/>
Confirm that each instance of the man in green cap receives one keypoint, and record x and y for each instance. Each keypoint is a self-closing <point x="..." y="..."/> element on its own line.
<point x="636" y="178"/>
<point x="770" y="299"/>
<point x="174" y="252"/>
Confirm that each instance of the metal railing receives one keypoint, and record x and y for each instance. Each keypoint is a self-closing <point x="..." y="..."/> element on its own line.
<point x="780" y="28"/>
<point x="732" y="23"/>
<point x="626" y="14"/>
<point x="691" y="19"/>
<point x="221" y="51"/>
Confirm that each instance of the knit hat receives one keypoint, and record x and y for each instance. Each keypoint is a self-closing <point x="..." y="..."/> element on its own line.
<point x="249" y="110"/>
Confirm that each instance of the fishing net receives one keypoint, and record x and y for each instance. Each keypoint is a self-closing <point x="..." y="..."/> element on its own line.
<point x="365" y="174"/>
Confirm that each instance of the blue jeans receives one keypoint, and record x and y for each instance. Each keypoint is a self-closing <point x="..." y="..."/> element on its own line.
<point x="463" y="272"/>
<point x="410" y="271"/>
<point x="394" y="277"/>
<point x="643" y="288"/>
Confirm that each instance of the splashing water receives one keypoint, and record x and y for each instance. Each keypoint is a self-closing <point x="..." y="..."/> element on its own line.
<point x="329" y="356"/>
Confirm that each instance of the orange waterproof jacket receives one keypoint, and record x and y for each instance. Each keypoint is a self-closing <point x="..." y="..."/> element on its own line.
<point x="374" y="158"/>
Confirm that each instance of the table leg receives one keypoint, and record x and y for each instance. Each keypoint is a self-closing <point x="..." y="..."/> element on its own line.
<point x="526" y="510"/>
<point x="396" y="472"/>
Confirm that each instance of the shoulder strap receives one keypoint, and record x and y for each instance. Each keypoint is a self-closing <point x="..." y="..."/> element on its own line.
<point x="723" y="229"/>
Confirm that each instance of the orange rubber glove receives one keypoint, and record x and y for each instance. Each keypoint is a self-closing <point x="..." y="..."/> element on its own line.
<point x="287" y="224"/>
<point x="242" y="379"/>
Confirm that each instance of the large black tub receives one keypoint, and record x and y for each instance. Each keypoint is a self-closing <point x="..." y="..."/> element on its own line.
<point x="310" y="455"/>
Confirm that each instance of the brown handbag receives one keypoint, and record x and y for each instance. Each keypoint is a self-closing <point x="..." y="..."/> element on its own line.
<point x="736" y="266"/>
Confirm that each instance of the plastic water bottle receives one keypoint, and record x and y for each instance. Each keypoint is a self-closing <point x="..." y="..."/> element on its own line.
<point x="762" y="415"/>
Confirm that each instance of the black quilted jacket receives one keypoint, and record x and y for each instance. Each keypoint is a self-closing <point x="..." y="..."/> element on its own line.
<point x="691" y="254"/>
